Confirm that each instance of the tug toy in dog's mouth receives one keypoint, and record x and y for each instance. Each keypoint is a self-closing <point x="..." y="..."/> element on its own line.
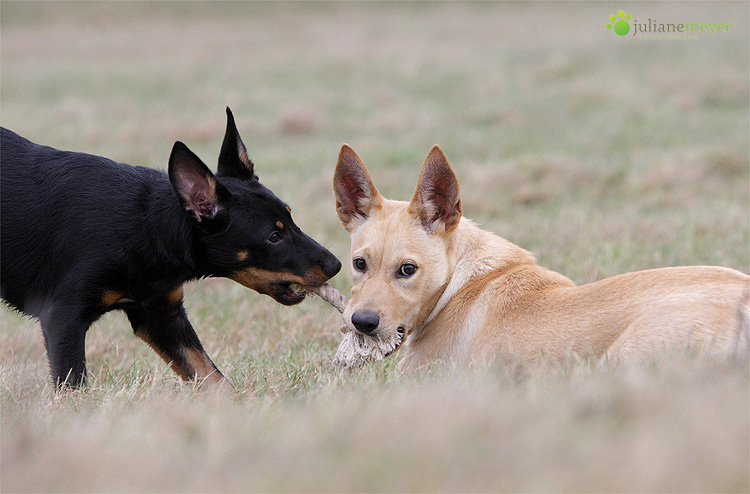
<point x="356" y="349"/>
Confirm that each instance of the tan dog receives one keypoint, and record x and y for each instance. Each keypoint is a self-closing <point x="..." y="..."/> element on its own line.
<point x="457" y="293"/>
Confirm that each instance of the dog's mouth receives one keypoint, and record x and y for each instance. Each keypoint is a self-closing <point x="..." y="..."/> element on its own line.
<point x="399" y="340"/>
<point x="356" y="349"/>
<point x="288" y="293"/>
<point x="285" y="288"/>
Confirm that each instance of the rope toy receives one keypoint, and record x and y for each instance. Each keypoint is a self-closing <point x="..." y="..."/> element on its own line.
<point x="356" y="349"/>
<point x="334" y="297"/>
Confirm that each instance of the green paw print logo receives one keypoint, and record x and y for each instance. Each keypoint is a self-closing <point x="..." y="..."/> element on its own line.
<point x="619" y="23"/>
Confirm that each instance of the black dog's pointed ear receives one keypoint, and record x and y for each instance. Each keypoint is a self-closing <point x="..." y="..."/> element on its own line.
<point x="233" y="160"/>
<point x="437" y="201"/>
<point x="356" y="195"/>
<point x="195" y="185"/>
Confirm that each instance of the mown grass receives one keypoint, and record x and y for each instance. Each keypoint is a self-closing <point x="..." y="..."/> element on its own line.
<point x="601" y="155"/>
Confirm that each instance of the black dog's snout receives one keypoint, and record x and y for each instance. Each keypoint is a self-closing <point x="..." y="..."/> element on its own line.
<point x="365" y="321"/>
<point x="332" y="266"/>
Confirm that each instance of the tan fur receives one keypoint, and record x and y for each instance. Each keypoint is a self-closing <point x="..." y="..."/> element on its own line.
<point x="175" y="296"/>
<point x="111" y="297"/>
<point x="201" y="368"/>
<point x="476" y="295"/>
<point x="189" y="363"/>
<point x="263" y="280"/>
<point x="194" y="364"/>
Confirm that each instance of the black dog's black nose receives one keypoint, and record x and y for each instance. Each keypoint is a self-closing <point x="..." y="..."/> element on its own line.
<point x="365" y="321"/>
<point x="332" y="266"/>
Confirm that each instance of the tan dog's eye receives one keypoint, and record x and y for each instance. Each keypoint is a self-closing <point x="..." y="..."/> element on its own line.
<point x="359" y="264"/>
<point x="406" y="270"/>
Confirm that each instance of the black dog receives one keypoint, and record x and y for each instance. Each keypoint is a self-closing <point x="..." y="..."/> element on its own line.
<point x="82" y="235"/>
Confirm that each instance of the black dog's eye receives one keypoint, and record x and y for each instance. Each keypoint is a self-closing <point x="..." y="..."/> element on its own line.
<point x="359" y="264"/>
<point x="275" y="238"/>
<point x="406" y="270"/>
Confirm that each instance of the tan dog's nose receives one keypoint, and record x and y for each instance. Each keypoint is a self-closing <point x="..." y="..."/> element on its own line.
<point x="365" y="321"/>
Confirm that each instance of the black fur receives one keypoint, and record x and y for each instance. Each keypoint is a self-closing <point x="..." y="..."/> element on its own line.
<point x="81" y="235"/>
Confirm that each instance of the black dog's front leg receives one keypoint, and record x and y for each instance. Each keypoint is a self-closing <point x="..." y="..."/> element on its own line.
<point x="65" y="320"/>
<point x="164" y="325"/>
<point x="65" y="338"/>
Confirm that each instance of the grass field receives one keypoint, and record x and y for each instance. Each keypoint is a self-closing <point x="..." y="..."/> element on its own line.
<point x="600" y="154"/>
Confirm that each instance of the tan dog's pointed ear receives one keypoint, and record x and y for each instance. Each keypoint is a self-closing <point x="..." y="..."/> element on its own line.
<point x="436" y="201"/>
<point x="356" y="195"/>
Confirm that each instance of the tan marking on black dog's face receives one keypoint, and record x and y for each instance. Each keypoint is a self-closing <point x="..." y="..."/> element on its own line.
<point x="111" y="297"/>
<point x="242" y="255"/>
<point x="175" y="296"/>
<point x="278" y="284"/>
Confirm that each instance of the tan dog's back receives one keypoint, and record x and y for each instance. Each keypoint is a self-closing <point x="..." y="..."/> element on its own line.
<point x="629" y="315"/>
